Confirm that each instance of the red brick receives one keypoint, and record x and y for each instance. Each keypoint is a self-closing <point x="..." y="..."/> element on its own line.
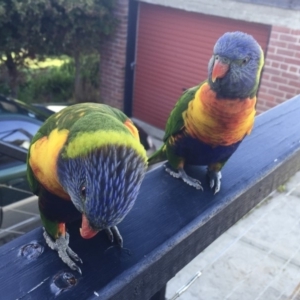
<point x="280" y="100"/>
<point x="276" y="92"/>
<point x="281" y="29"/>
<point x="283" y="67"/>
<point x="269" y="84"/>
<point x="270" y="104"/>
<point x="287" y="89"/>
<point x="285" y="52"/>
<point x="272" y="71"/>
<point x="266" y="76"/>
<point x="295" y="84"/>
<point x="272" y="49"/>
<point x="295" y="47"/>
<point x="274" y="35"/>
<point x="276" y="43"/>
<point x="293" y="69"/>
<point x="275" y="64"/>
<point x="267" y="97"/>
<point x="113" y="60"/>
<point x="279" y="79"/>
<point x="268" y="62"/>
<point x="295" y="31"/>
<point x="290" y="75"/>
<point x="263" y="89"/>
<point x="293" y="61"/>
<point x="271" y="56"/>
<point x="288" y="38"/>
<point x="290" y="95"/>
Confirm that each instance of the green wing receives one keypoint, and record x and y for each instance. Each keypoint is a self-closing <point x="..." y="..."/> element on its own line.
<point x="175" y="121"/>
<point x="33" y="183"/>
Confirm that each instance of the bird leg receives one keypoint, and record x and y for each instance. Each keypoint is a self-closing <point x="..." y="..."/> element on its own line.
<point x="61" y="245"/>
<point x="214" y="178"/>
<point x="187" y="179"/>
<point x="113" y="232"/>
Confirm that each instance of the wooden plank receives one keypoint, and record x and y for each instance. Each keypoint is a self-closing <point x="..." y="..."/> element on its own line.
<point x="169" y="225"/>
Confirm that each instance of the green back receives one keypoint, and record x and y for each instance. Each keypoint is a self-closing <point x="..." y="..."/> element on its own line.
<point x="175" y="121"/>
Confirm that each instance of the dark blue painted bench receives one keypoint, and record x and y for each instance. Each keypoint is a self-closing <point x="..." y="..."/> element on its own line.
<point x="169" y="225"/>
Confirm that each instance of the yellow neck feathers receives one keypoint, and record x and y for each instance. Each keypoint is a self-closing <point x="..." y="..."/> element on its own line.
<point x="218" y="121"/>
<point x="85" y="142"/>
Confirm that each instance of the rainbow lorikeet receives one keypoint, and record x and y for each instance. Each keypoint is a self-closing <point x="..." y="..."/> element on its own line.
<point x="210" y="120"/>
<point x="86" y="162"/>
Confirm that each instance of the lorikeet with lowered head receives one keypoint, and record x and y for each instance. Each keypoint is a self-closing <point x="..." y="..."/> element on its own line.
<point x="210" y="120"/>
<point x="86" y="162"/>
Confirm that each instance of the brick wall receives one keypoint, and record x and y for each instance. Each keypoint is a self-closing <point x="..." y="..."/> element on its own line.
<point x="113" y="60"/>
<point x="281" y="76"/>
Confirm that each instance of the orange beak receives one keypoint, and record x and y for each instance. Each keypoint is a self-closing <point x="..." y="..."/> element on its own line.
<point x="219" y="70"/>
<point x="86" y="231"/>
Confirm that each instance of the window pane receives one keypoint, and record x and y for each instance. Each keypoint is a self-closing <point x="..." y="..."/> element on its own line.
<point x="18" y="132"/>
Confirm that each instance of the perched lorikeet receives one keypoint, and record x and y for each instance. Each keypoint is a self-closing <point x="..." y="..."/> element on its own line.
<point x="86" y="162"/>
<point x="210" y="120"/>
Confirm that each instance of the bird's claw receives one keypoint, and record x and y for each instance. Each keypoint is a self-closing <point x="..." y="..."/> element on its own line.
<point x="187" y="179"/>
<point x="61" y="245"/>
<point x="214" y="178"/>
<point x="113" y="232"/>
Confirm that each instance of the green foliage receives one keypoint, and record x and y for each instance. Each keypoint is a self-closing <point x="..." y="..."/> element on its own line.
<point x="56" y="84"/>
<point x="35" y="28"/>
<point x="4" y="85"/>
<point x="78" y="26"/>
<point x="49" y="85"/>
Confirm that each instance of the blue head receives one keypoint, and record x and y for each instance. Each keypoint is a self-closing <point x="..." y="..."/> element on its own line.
<point x="103" y="185"/>
<point x="235" y="67"/>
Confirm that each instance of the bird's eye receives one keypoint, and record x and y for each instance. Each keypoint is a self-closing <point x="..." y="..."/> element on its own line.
<point x="216" y="57"/>
<point x="245" y="60"/>
<point x="83" y="192"/>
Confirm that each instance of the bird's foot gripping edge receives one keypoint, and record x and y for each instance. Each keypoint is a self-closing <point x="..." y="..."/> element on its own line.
<point x="113" y="232"/>
<point x="61" y="245"/>
<point x="187" y="179"/>
<point x="214" y="178"/>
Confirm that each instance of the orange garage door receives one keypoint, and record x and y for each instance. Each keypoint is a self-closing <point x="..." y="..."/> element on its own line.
<point x="173" y="50"/>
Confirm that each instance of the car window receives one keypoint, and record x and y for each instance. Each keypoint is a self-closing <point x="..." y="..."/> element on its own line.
<point x="8" y="107"/>
<point x="18" y="132"/>
<point x="8" y="162"/>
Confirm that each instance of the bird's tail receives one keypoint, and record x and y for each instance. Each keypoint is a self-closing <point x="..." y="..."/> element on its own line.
<point x="158" y="156"/>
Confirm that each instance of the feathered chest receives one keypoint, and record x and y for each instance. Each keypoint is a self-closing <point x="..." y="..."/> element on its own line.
<point x="218" y="121"/>
<point x="43" y="161"/>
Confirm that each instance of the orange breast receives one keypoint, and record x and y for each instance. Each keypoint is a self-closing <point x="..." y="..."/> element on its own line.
<point x="219" y="121"/>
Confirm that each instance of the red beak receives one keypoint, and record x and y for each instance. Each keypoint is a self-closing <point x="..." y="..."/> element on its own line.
<point x="86" y="231"/>
<point x="219" y="70"/>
